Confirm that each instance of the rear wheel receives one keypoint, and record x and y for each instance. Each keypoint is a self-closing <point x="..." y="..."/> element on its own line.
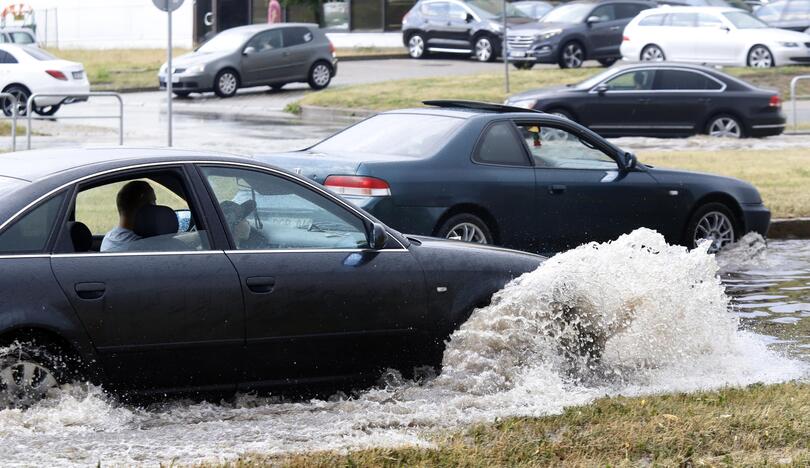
<point x="652" y="53"/>
<point x="714" y="222"/>
<point x="29" y="372"/>
<point x="572" y="55"/>
<point x="320" y="75"/>
<point x="21" y="93"/>
<point x="524" y="65"/>
<point x="466" y="227"/>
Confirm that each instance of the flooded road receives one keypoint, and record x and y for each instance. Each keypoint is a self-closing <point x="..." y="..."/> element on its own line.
<point x="659" y="314"/>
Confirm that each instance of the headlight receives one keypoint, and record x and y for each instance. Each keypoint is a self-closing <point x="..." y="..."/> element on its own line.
<point x="789" y="44"/>
<point x="549" y="34"/>
<point x="196" y="69"/>
<point x="525" y="103"/>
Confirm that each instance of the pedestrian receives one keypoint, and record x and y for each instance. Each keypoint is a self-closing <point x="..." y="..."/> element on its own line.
<point x="274" y="12"/>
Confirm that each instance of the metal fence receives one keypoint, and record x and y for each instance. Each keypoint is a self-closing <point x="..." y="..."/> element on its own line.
<point x="793" y="97"/>
<point x="29" y="107"/>
<point x="12" y="117"/>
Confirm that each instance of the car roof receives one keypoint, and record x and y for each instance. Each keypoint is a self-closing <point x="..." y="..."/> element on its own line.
<point x="38" y="164"/>
<point x="685" y="66"/>
<point x="690" y="9"/>
<point x="254" y="28"/>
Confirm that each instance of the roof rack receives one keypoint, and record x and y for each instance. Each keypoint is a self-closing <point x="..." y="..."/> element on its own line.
<point x="476" y="105"/>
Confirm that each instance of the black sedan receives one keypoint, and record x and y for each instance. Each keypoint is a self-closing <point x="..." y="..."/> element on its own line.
<point x="526" y="180"/>
<point x="292" y="286"/>
<point x="662" y="100"/>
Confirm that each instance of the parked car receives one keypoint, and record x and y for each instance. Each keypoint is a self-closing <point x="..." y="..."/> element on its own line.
<point x="28" y="70"/>
<point x="533" y="8"/>
<point x="323" y="292"/>
<point x="739" y="4"/>
<point x="14" y="35"/>
<point x="713" y="35"/>
<point x="574" y="32"/>
<point x="454" y="26"/>
<point x="662" y="100"/>
<point x="256" y="55"/>
<point x="525" y="180"/>
<point x="786" y="14"/>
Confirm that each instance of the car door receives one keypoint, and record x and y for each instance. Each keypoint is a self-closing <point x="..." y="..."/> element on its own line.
<point x="681" y="101"/>
<point x="680" y="46"/>
<point x="582" y="195"/>
<point x="437" y="16"/>
<point x="299" y="51"/>
<point x="458" y="28"/>
<point x="726" y="43"/>
<point x="320" y="304"/>
<point x="618" y="106"/>
<point x="624" y="12"/>
<point x="264" y="59"/>
<point x="605" y="32"/>
<point x="163" y="312"/>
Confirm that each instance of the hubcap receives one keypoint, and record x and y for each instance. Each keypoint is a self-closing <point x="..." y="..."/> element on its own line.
<point x="725" y="127"/>
<point x="572" y="56"/>
<point x="320" y="75"/>
<point x="652" y="54"/>
<point x="483" y="49"/>
<point x="467" y="232"/>
<point x="227" y="83"/>
<point x="716" y="227"/>
<point x="22" y="102"/>
<point x="416" y="46"/>
<point x="23" y="383"/>
<point x="760" y="58"/>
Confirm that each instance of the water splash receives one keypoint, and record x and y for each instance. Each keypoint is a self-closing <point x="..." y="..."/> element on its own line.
<point x="630" y="317"/>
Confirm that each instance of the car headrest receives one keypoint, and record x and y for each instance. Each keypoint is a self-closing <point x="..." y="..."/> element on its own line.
<point x="81" y="236"/>
<point x="155" y="220"/>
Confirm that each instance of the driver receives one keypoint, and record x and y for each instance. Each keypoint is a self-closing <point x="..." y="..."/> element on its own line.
<point x="236" y="218"/>
<point x="132" y="196"/>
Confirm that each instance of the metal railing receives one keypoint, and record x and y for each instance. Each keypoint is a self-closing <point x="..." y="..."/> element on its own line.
<point x="29" y="107"/>
<point x="793" y="97"/>
<point x="12" y="117"/>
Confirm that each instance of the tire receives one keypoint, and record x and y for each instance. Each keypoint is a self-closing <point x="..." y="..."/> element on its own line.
<point x="417" y="47"/>
<point x="22" y="94"/>
<point x="465" y="227"/>
<point x="572" y="55"/>
<point x="725" y="126"/>
<point x="278" y="87"/>
<point x="652" y="53"/>
<point x="606" y="62"/>
<point x="320" y="75"/>
<point x="485" y="48"/>
<point x="561" y="113"/>
<point x="760" y="57"/>
<point x="46" y="111"/>
<point x="524" y="65"/>
<point x="30" y="371"/>
<point x="715" y="221"/>
<point x="226" y="83"/>
<point x="181" y="94"/>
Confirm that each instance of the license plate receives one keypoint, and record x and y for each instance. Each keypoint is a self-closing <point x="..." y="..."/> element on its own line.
<point x="301" y="223"/>
<point x="175" y="79"/>
<point x="78" y="75"/>
<point x="515" y="53"/>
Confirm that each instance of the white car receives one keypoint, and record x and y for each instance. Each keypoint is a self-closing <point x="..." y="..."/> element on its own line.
<point x="711" y="35"/>
<point x="27" y="70"/>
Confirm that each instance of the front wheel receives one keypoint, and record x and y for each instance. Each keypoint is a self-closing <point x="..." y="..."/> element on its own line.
<point x="572" y="55"/>
<point x="713" y="222"/>
<point x="30" y="372"/>
<point x="466" y="228"/>
<point x="319" y="75"/>
<point x="760" y="57"/>
<point x="484" y="49"/>
<point x="524" y="65"/>
<point x="21" y="94"/>
<point x="416" y="47"/>
<point x="226" y="83"/>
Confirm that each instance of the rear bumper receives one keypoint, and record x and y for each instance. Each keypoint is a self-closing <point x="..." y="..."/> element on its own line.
<point x="63" y="90"/>
<point x="767" y="125"/>
<point x="757" y="218"/>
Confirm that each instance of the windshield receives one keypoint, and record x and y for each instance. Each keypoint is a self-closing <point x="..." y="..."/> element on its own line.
<point x="570" y="13"/>
<point x="38" y="54"/>
<point x="415" y="135"/>
<point x="226" y="41"/>
<point x="491" y="9"/>
<point x="589" y="83"/>
<point x="743" y="20"/>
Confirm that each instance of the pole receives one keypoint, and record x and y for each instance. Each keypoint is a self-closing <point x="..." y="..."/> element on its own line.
<point x="169" y="76"/>
<point x="505" y="51"/>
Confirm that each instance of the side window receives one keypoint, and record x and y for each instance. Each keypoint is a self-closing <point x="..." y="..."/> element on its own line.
<point x="5" y="57"/>
<point x="267" y="40"/>
<point x="555" y="147"/>
<point x="632" y="81"/>
<point x="628" y="10"/>
<point x="435" y="9"/>
<point x="146" y="213"/>
<point x="500" y="145"/>
<point x="457" y="12"/>
<point x="31" y="232"/>
<point x="267" y="212"/>
<point x="20" y="37"/>
<point x="706" y="20"/>
<point x="682" y="80"/>
<point x="296" y="36"/>
<point x="652" y="20"/>
<point x="681" y="20"/>
<point x="604" y="13"/>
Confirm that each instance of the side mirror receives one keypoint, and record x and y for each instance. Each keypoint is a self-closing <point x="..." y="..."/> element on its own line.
<point x="469" y="18"/>
<point x="601" y="89"/>
<point x="593" y="19"/>
<point x="183" y="220"/>
<point x="378" y="236"/>
<point x="630" y="161"/>
<point x="249" y="50"/>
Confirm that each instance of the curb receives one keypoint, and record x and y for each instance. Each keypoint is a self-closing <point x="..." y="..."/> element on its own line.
<point x="334" y="113"/>
<point x="357" y="58"/>
<point x="793" y="228"/>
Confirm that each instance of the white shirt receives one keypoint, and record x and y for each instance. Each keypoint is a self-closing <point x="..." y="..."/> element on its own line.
<point x="117" y="239"/>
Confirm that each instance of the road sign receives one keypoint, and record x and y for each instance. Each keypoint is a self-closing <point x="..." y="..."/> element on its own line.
<point x="165" y="5"/>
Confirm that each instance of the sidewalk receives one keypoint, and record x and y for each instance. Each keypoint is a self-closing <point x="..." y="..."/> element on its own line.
<point x="356" y="40"/>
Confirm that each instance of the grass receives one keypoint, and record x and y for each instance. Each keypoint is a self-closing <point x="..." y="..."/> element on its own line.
<point x="369" y="51"/>
<point x="490" y="87"/>
<point x="782" y="176"/>
<point x="754" y="426"/>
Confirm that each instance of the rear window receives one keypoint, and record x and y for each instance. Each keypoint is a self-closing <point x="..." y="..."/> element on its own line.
<point x="38" y="54"/>
<point x="296" y="36"/>
<point x="20" y="37"/>
<point x="415" y="135"/>
<point x="31" y="232"/>
<point x="681" y="80"/>
<point x="501" y="146"/>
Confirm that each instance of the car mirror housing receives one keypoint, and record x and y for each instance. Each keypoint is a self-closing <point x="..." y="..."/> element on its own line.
<point x="248" y="50"/>
<point x="593" y="19"/>
<point x="601" y="89"/>
<point x="469" y="18"/>
<point x="630" y="161"/>
<point x="378" y="236"/>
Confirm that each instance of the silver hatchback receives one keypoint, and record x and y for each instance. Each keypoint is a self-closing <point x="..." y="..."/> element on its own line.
<point x="256" y="55"/>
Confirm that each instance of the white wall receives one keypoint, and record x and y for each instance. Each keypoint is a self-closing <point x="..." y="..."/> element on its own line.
<point x="108" y="24"/>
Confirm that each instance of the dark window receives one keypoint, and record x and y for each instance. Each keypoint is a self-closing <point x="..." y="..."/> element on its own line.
<point x="296" y="36"/>
<point x="652" y="20"/>
<point x="604" y="13"/>
<point x="632" y="81"/>
<point x="683" y="80"/>
<point x="628" y="10"/>
<point x="556" y="147"/>
<point x="681" y="20"/>
<point x="5" y="57"/>
<point x="367" y="14"/>
<point x="500" y="146"/>
<point x="31" y="232"/>
<point x="336" y="14"/>
<point x="266" y="40"/>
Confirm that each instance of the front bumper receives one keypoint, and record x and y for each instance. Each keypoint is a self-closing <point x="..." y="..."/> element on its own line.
<point x="188" y="83"/>
<point x="757" y="218"/>
<point x="542" y="52"/>
<point x="791" y="55"/>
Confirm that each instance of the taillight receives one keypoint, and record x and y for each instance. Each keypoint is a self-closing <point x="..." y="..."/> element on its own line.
<point x="357" y="185"/>
<point x="331" y="48"/>
<point x="775" y="101"/>
<point x="625" y="38"/>
<point x="57" y="74"/>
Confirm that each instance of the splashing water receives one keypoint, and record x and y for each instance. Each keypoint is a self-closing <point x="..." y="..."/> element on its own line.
<point x="632" y="316"/>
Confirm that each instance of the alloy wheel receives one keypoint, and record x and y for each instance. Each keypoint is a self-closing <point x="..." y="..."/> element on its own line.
<point x="716" y="227"/>
<point x="23" y="383"/>
<point x="467" y="232"/>
<point x="416" y="46"/>
<point x="652" y="54"/>
<point x="760" y="57"/>
<point x="227" y="83"/>
<point x="573" y="56"/>
<point x="725" y="127"/>
<point x="321" y="75"/>
<point x="483" y="49"/>
<point x="22" y="101"/>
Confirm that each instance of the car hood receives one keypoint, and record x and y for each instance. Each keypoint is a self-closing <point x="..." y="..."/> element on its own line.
<point x="743" y="191"/>
<point x="776" y="35"/>
<point x="463" y="256"/>
<point x="540" y="92"/>
<point x="534" y="29"/>
<point x="196" y="58"/>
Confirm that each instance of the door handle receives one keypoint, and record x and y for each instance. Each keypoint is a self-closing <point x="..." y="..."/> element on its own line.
<point x="615" y="28"/>
<point x="261" y="284"/>
<point x="644" y="100"/>
<point x="90" y="291"/>
<point x="556" y="189"/>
